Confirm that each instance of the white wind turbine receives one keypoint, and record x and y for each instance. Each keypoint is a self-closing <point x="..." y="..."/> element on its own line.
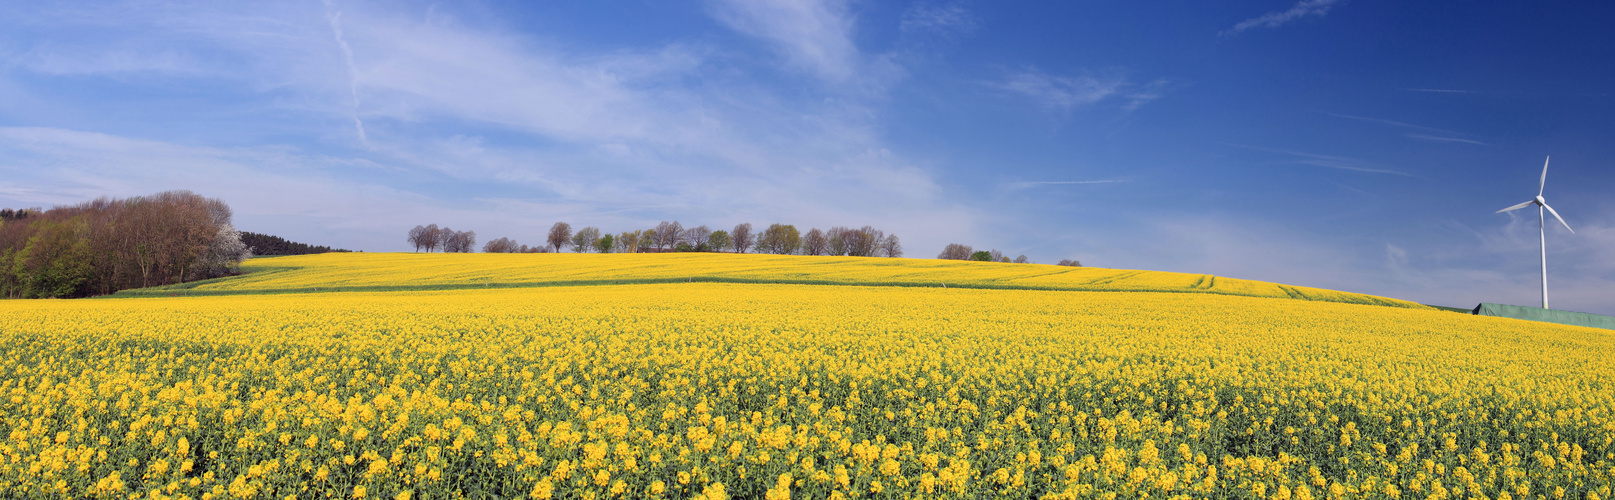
<point x="1542" y="226"/>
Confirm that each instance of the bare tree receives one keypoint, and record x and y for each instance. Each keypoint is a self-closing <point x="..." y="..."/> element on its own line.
<point x="464" y="241"/>
<point x="741" y="238"/>
<point x="445" y="237"/>
<point x="815" y="243"/>
<point x="432" y="237"/>
<point x="501" y="245"/>
<point x="891" y="247"/>
<point x="435" y="237"/>
<point x="417" y="237"/>
<point x="697" y="236"/>
<point x="836" y="241"/>
<point x="668" y="234"/>
<point x="584" y="240"/>
<point x="654" y="235"/>
<point x="997" y="256"/>
<point x="1069" y="262"/>
<point x="863" y="242"/>
<point x="1022" y="260"/>
<point x="955" y="251"/>
<point x="560" y="235"/>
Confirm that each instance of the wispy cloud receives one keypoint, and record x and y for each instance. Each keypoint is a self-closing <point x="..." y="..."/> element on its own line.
<point x="335" y="18"/>
<point x="814" y="35"/>
<point x="1062" y="94"/>
<point x="1437" y="138"/>
<point x="1304" y="8"/>
<point x="924" y="17"/>
<point x="1425" y="134"/>
<point x="1441" y="91"/>
<point x="1326" y="161"/>
<point x="464" y="114"/>
<point x="1016" y="186"/>
<point x="1501" y="265"/>
<point x="1145" y="94"/>
<point x="1383" y="121"/>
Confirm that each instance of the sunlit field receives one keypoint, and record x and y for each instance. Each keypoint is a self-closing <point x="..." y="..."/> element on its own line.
<point x="757" y="390"/>
<point x="405" y="271"/>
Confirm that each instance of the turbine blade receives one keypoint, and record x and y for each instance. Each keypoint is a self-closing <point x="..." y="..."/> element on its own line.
<point x="1561" y="219"/>
<point x="1517" y="207"/>
<point x="1544" y="182"/>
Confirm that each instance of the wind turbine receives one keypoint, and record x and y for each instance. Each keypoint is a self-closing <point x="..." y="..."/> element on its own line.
<point x="1542" y="226"/>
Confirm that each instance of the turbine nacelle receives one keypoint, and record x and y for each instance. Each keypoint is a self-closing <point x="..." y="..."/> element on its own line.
<point x="1541" y="201"/>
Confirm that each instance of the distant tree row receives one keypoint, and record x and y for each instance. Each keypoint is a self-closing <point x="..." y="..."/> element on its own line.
<point x="507" y="245"/>
<point x="780" y="239"/>
<point x="8" y="215"/>
<point x="671" y="236"/>
<point x="432" y="238"/>
<point x="102" y="246"/>
<point x="956" y="251"/>
<point x="263" y="244"/>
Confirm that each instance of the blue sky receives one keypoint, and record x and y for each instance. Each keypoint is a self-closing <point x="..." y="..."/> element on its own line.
<point x="1356" y="145"/>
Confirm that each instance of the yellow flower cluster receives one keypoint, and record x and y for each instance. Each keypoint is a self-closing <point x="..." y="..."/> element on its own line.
<point x="406" y="271"/>
<point x="712" y="390"/>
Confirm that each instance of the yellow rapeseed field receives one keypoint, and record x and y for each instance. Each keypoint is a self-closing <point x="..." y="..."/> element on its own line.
<point x="372" y="272"/>
<point x="730" y="390"/>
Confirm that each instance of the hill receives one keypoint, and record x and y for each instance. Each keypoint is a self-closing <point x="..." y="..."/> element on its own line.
<point x="437" y="271"/>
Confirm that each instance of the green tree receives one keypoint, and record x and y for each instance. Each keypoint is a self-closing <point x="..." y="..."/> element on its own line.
<point x="55" y="263"/>
<point x="718" y="241"/>
<point x="782" y="239"/>
<point x="605" y="243"/>
<point x="585" y="239"/>
<point x="982" y="255"/>
<point x="9" y="287"/>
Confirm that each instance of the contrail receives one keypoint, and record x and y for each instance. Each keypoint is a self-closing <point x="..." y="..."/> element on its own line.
<point x="335" y="17"/>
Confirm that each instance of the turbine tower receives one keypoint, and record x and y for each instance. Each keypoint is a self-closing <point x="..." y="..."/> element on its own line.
<point x="1542" y="230"/>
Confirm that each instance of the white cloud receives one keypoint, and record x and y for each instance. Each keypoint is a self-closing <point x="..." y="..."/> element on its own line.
<point x="1302" y="9"/>
<point x="478" y="128"/>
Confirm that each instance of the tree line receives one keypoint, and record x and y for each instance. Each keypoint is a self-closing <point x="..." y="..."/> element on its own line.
<point x="433" y="238"/>
<point x="671" y="236"/>
<point x="265" y="245"/>
<point x="105" y="245"/>
<point x="956" y="251"/>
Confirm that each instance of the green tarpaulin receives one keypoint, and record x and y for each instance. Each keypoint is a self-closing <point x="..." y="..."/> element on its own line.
<point x="1548" y="315"/>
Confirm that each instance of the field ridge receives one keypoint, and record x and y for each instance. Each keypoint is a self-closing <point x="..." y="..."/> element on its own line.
<point x="372" y="272"/>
